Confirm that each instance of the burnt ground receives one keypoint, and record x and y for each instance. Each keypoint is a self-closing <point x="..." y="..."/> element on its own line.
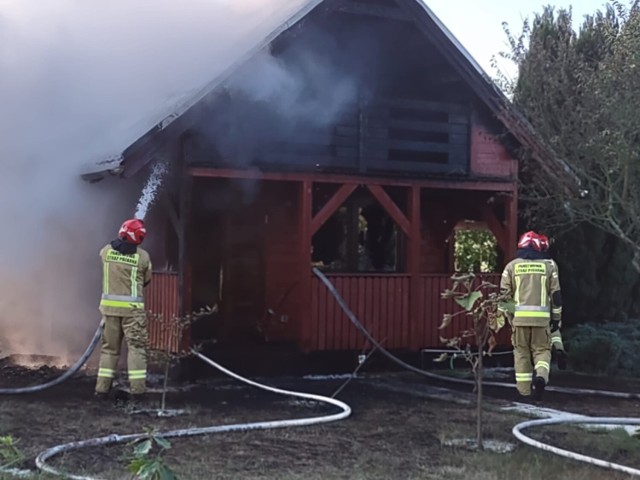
<point x="397" y="430"/>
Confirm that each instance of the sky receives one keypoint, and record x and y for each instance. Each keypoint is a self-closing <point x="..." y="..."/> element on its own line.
<point x="477" y="24"/>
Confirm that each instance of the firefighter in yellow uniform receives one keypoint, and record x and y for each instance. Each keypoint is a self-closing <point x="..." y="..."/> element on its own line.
<point x="126" y="271"/>
<point x="557" y="346"/>
<point x="534" y="286"/>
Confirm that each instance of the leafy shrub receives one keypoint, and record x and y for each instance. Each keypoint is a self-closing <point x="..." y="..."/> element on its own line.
<point x="148" y="464"/>
<point x="10" y="455"/>
<point x="609" y="348"/>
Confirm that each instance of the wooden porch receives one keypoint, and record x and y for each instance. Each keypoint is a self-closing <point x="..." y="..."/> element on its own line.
<point x="264" y="247"/>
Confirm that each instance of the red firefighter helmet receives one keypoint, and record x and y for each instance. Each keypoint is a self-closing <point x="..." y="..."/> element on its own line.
<point x="530" y="240"/>
<point x="544" y="242"/>
<point x="133" y="231"/>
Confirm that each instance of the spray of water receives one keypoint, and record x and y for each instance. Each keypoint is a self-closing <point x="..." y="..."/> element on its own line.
<point x="150" y="190"/>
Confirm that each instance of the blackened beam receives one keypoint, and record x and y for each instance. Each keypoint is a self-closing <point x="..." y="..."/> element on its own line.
<point x="508" y="185"/>
<point x="361" y="8"/>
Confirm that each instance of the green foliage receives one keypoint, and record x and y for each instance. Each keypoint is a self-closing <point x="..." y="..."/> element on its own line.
<point x="579" y="90"/>
<point x="599" y="283"/>
<point x="10" y="455"/>
<point x="610" y="348"/>
<point x="147" y="465"/>
<point x="475" y="251"/>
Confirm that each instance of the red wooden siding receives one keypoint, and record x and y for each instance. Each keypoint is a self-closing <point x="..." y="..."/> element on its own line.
<point x="281" y="259"/>
<point x="162" y="299"/>
<point x="381" y="303"/>
<point x="489" y="157"/>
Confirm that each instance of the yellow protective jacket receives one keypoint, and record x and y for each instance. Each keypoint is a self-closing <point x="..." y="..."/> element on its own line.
<point x="123" y="280"/>
<point x="533" y="285"/>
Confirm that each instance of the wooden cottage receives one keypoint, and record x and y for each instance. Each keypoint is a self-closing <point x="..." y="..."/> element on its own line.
<point x="355" y="137"/>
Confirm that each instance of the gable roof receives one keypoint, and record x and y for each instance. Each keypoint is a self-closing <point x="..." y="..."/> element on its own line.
<point x="120" y="162"/>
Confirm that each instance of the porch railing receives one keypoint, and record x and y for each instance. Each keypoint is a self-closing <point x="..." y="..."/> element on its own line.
<point x="382" y="304"/>
<point x="162" y="299"/>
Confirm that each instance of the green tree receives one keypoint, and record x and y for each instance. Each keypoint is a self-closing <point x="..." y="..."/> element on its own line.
<point x="578" y="89"/>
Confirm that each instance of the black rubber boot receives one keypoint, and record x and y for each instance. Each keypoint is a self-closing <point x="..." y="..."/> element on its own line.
<point x="101" y="396"/>
<point x="538" y="388"/>
<point x="561" y="356"/>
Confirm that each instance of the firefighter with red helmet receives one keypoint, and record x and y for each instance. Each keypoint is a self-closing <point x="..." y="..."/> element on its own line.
<point x="126" y="271"/>
<point x="534" y="286"/>
<point x="556" y="337"/>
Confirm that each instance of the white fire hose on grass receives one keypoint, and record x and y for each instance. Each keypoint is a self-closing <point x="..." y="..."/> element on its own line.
<point x="517" y="430"/>
<point x="345" y="411"/>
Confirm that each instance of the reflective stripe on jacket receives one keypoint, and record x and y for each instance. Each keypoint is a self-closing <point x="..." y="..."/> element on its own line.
<point x="123" y="280"/>
<point x="531" y="284"/>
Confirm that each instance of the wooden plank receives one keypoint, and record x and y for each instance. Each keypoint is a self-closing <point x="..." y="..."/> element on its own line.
<point x="414" y="258"/>
<point x="315" y="310"/>
<point x="256" y="174"/>
<point x="357" y="336"/>
<point x="347" y="153"/>
<point x="416" y="167"/>
<point x="305" y="141"/>
<point x="390" y="207"/>
<point x="323" y="302"/>
<point x="420" y="126"/>
<point x="381" y="11"/>
<point x="512" y="226"/>
<point x="459" y="118"/>
<point x="334" y="203"/>
<point x="304" y="263"/>
<point x="342" y="322"/>
<point x="346" y="131"/>
<point x="172" y="213"/>
<point x="416" y="146"/>
<point x="392" y="312"/>
<point x="496" y="227"/>
<point x="417" y="104"/>
<point x="183" y="216"/>
<point x="296" y="160"/>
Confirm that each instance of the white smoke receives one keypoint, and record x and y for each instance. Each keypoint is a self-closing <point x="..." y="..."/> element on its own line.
<point x="80" y="79"/>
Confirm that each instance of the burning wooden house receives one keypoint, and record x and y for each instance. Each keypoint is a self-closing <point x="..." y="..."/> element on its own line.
<point x="355" y="137"/>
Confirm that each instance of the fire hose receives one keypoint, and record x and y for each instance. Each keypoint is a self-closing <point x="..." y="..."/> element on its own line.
<point x="41" y="460"/>
<point x="345" y="411"/>
<point x="517" y="430"/>
<point x="65" y="376"/>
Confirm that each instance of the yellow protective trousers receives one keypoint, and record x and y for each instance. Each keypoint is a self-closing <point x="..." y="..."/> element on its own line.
<point x="134" y="331"/>
<point x="556" y="340"/>
<point x="531" y="354"/>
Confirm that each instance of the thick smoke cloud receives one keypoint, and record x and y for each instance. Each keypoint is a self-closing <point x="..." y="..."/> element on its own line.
<point x="290" y="96"/>
<point x="78" y="80"/>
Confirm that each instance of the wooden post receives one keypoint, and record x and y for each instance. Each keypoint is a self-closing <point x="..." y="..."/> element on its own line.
<point x="304" y="264"/>
<point x="414" y="259"/>
<point x="184" y="191"/>
<point x="512" y="226"/>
